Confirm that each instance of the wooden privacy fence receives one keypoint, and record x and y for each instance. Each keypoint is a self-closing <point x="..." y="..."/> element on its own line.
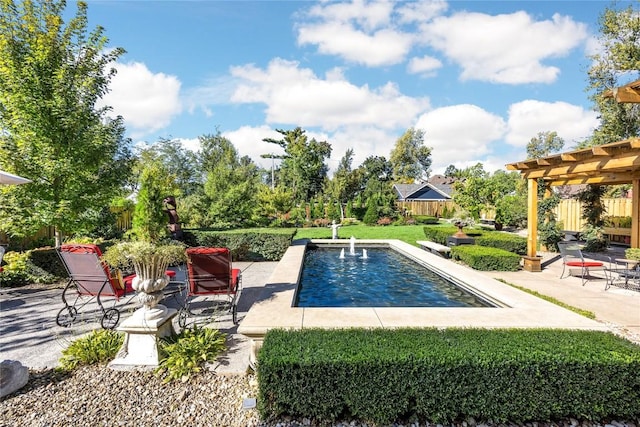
<point x="430" y="208"/>
<point x="569" y="211"/>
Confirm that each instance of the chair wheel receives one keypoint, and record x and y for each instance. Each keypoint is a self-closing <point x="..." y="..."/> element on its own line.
<point x="66" y="316"/>
<point x="110" y="318"/>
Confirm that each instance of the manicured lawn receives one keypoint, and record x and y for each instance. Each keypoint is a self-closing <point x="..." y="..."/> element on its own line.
<point x="406" y="233"/>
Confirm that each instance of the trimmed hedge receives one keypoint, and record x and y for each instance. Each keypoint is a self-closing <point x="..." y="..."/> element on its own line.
<point x="484" y="258"/>
<point x="252" y="245"/>
<point x="508" y="242"/>
<point x="441" y="376"/>
<point x="426" y="219"/>
<point x="439" y="234"/>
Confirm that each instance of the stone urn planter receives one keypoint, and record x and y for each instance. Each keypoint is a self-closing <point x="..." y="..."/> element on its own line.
<point x="150" y="262"/>
<point x="152" y="321"/>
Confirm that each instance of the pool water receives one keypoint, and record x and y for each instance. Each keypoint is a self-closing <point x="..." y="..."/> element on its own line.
<point x="385" y="278"/>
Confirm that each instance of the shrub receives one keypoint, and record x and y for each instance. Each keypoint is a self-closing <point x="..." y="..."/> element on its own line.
<point x="439" y="234"/>
<point x="485" y="258"/>
<point x="185" y="353"/>
<point x="425" y="219"/>
<point x="97" y="347"/>
<point x="511" y="210"/>
<point x="384" y="221"/>
<point x="371" y="215"/>
<point x="506" y="241"/>
<point x="441" y="376"/>
<point x="245" y="244"/>
<point x="632" y="253"/>
<point x="20" y="270"/>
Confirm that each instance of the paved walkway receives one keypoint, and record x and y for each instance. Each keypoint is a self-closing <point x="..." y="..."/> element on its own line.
<point x="29" y="334"/>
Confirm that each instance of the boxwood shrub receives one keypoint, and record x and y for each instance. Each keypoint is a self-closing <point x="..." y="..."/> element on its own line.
<point x="440" y="233"/>
<point x="442" y="376"/>
<point x="250" y="244"/>
<point x="426" y="219"/>
<point x="485" y="258"/>
<point x="507" y="241"/>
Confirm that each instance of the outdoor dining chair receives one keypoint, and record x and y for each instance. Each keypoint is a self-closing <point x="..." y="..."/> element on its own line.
<point x="572" y="257"/>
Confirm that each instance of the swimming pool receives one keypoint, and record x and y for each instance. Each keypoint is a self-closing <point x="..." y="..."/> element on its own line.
<point x="374" y="277"/>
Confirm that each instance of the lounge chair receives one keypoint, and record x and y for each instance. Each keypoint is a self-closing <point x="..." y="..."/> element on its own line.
<point x="572" y="257"/>
<point x="211" y="282"/>
<point x="2" y="250"/>
<point x="91" y="279"/>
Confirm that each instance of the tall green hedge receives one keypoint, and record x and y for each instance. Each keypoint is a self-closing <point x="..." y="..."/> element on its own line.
<point x="381" y="376"/>
<point x="244" y="245"/>
<point x="439" y="234"/>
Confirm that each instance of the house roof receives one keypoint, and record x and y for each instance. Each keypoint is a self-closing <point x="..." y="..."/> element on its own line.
<point x="418" y="191"/>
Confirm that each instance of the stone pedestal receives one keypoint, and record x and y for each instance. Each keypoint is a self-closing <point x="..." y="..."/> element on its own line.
<point x="457" y="240"/>
<point x="142" y="334"/>
<point x="532" y="263"/>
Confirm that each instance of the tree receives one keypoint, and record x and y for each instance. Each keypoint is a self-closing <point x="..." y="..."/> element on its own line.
<point x="303" y="167"/>
<point x="480" y="191"/>
<point x="51" y="78"/>
<point x="451" y="171"/>
<point x="410" y="158"/>
<point x="544" y="144"/>
<point x="231" y="185"/>
<point x="617" y="63"/>
<point x="149" y="219"/>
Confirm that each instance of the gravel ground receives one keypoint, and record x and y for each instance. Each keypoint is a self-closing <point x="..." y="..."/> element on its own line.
<point x="99" y="396"/>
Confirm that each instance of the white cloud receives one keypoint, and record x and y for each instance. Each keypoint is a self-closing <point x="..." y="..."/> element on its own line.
<point x="147" y="101"/>
<point x="460" y="134"/>
<point x="509" y="48"/>
<point x="426" y="66"/>
<point x="248" y="141"/>
<point x="297" y="95"/>
<point x="527" y="118"/>
<point x="359" y="32"/>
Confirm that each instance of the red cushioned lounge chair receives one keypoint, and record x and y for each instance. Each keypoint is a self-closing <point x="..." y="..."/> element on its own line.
<point x="211" y="280"/>
<point x="572" y="258"/>
<point x="91" y="279"/>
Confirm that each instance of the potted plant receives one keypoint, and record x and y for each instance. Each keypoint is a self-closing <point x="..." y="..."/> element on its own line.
<point x="150" y="262"/>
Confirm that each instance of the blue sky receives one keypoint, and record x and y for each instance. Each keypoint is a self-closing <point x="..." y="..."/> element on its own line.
<point x="481" y="78"/>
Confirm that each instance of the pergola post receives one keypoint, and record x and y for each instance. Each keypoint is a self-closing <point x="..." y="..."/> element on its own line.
<point x="635" y="213"/>
<point x="531" y="260"/>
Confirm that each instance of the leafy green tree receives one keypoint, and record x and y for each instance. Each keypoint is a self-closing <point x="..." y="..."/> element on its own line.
<point x="617" y="63"/>
<point x="410" y="158"/>
<point x="273" y="204"/>
<point x="371" y="215"/>
<point x="180" y="162"/>
<point x="149" y="218"/>
<point x="480" y="191"/>
<point x="303" y="167"/>
<point x="451" y="171"/>
<point x="52" y="76"/>
<point x="544" y="144"/>
<point x="231" y="185"/>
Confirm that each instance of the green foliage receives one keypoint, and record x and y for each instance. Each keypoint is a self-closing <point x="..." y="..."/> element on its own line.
<point x="98" y="347"/>
<point x="615" y="64"/>
<point x="246" y="244"/>
<point x="54" y="73"/>
<point x="184" y="354"/>
<point x="544" y="144"/>
<point x="410" y="158"/>
<point x="592" y="208"/>
<point x="371" y="215"/>
<point x="19" y="269"/>
<point x="231" y="185"/>
<point x="511" y="210"/>
<point x="508" y="242"/>
<point x="425" y="219"/>
<point x="632" y="253"/>
<point x="303" y="167"/>
<point x="485" y="258"/>
<point x="149" y="219"/>
<point x="594" y="238"/>
<point x="152" y="258"/>
<point x="440" y="376"/>
<point x="440" y="234"/>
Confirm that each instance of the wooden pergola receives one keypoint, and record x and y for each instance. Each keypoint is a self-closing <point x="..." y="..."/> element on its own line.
<point x="615" y="163"/>
<point x="629" y="93"/>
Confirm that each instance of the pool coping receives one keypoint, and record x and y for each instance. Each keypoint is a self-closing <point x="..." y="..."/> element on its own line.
<point x="517" y="309"/>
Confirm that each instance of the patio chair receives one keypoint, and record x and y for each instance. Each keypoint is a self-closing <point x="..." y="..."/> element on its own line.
<point x="626" y="275"/>
<point x="2" y="250"/>
<point x="91" y="279"/>
<point x="212" y="283"/>
<point x="572" y="257"/>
